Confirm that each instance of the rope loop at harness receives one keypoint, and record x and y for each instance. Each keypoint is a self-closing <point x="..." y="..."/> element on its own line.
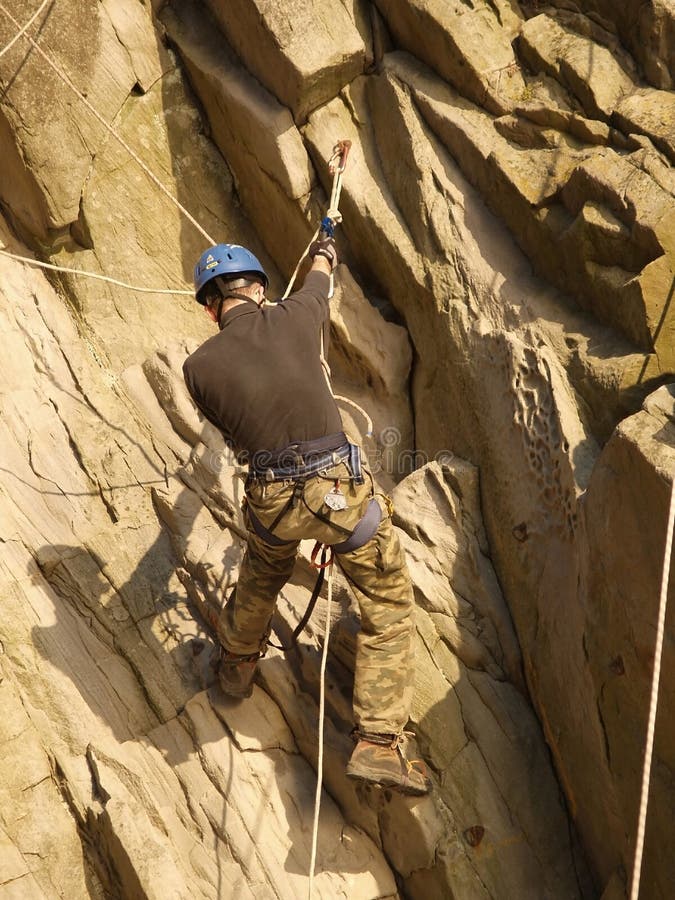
<point x="325" y="564"/>
<point x="326" y="551"/>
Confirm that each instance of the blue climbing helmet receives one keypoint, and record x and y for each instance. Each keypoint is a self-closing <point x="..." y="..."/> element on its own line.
<point x="227" y="260"/>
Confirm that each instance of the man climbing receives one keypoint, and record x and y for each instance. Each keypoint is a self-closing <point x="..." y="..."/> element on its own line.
<point x="262" y="380"/>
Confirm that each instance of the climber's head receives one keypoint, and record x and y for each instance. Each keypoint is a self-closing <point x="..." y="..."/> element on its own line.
<point x="228" y="270"/>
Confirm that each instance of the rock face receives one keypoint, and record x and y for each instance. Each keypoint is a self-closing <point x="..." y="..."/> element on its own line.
<point x="303" y="53"/>
<point x="503" y="317"/>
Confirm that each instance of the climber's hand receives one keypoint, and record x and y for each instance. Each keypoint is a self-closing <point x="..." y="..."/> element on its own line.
<point x="326" y="248"/>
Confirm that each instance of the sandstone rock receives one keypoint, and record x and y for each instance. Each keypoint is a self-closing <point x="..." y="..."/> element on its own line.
<point x="590" y="71"/>
<point x="458" y="590"/>
<point x="541" y="583"/>
<point x="394" y="260"/>
<point x="651" y="113"/>
<point x="271" y="173"/>
<point x="627" y="189"/>
<point x="43" y="188"/>
<point x="469" y="715"/>
<point x="558" y="245"/>
<point x="134" y="29"/>
<point x="98" y="645"/>
<point x="588" y="131"/>
<point x="645" y="29"/>
<point x="132" y="229"/>
<point x="370" y="361"/>
<point x="40" y="849"/>
<point x="627" y="507"/>
<point x="653" y="44"/>
<point x="468" y="46"/>
<point x="303" y="53"/>
<point x="119" y="506"/>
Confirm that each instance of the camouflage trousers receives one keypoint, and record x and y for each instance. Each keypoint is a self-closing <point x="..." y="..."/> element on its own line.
<point x="376" y="572"/>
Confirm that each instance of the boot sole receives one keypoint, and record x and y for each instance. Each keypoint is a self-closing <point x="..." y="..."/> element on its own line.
<point x="387" y="780"/>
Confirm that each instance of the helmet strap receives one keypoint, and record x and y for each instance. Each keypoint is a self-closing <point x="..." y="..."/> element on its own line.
<point x="239" y="296"/>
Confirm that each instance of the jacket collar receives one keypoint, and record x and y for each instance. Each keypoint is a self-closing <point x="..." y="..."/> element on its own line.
<point x="242" y="309"/>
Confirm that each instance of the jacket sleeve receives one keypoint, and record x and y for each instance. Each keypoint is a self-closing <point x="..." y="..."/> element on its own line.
<point x="312" y="296"/>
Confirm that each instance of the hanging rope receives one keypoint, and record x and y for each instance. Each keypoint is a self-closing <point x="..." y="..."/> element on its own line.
<point x="21" y="33"/>
<point x="322" y="711"/>
<point x="67" y="81"/>
<point x="646" y="773"/>
<point x="336" y="166"/>
<point x="355" y="405"/>
<point x="130" y="287"/>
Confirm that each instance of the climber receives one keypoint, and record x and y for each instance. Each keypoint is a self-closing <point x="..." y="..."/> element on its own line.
<point x="262" y="381"/>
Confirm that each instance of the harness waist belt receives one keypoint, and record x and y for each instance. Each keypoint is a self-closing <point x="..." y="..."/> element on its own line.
<point x="301" y="459"/>
<point x="296" y="450"/>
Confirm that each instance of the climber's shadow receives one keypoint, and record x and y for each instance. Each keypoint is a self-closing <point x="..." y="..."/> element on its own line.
<point x="130" y="649"/>
<point x="132" y="662"/>
<point x="119" y="649"/>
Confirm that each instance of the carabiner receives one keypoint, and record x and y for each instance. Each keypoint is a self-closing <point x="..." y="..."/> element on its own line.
<point x="340" y="152"/>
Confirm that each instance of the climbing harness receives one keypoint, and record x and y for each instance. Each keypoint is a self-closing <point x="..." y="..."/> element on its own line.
<point x="363" y="531"/>
<point x="320" y="460"/>
<point x="651" y="726"/>
<point x="301" y="459"/>
<point x="321" y="566"/>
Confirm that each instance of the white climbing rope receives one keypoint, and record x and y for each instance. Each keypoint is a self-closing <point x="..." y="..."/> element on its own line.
<point x="369" y="421"/>
<point x="336" y="165"/>
<point x="66" y="80"/>
<point x="646" y="773"/>
<point x="322" y="712"/>
<point x="130" y="287"/>
<point x="297" y="268"/>
<point x="20" y="33"/>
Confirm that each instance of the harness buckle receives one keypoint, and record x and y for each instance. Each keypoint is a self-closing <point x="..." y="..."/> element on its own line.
<point x="355" y="463"/>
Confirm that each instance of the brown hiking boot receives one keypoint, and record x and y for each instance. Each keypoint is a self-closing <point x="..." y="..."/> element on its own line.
<point x="236" y="673"/>
<point x="381" y="761"/>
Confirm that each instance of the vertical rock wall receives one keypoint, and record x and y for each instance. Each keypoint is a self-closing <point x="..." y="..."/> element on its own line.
<point x="505" y="316"/>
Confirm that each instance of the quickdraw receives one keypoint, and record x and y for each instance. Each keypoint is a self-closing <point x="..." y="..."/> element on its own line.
<point x="336" y="166"/>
